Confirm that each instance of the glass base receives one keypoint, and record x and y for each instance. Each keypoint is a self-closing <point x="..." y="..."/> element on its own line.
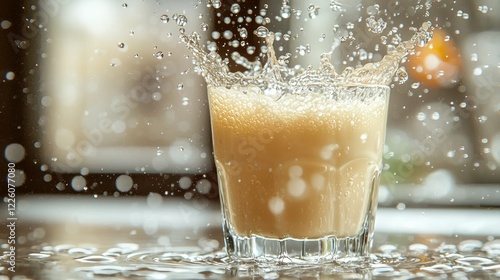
<point x="298" y="251"/>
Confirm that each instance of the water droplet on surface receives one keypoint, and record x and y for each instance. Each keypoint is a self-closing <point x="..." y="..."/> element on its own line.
<point x="469" y="245"/>
<point x="96" y="259"/>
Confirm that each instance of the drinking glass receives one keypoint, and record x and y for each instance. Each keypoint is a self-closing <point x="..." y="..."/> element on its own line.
<point x="298" y="173"/>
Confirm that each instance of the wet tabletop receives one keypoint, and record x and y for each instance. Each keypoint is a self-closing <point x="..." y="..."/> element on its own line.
<point x="152" y="238"/>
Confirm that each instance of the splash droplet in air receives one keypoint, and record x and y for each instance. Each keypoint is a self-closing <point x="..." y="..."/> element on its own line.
<point x="164" y="18"/>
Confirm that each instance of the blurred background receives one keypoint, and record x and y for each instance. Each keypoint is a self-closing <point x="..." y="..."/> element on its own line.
<point x="98" y="98"/>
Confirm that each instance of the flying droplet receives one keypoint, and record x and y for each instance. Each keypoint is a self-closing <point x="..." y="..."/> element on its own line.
<point x="164" y="18"/>
<point x="285" y="11"/>
<point x="262" y="32"/>
<point x="216" y="4"/>
<point x="335" y="6"/>
<point x="243" y="33"/>
<point x="402" y="75"/>
<point x="181" y="20"/>
<point x="159" y="55"/>
<point x="235" y="8"/>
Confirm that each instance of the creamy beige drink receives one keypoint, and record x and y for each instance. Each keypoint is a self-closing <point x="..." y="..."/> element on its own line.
<point x="301" y="166"/>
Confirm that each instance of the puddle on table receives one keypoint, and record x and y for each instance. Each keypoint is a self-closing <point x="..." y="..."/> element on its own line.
<point x="466" y="259"/>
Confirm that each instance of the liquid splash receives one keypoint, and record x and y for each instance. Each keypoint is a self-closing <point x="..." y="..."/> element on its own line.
<point x="275" y="73"/>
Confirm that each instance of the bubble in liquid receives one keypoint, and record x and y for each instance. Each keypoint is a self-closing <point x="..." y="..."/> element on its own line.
<point x="164" y="18"/>
<point x="10" y="75"/>
<point x="124" y="5"/>
<point x="204" y="26"/>
<point x="78" y="183"/>
<point x="124" y="183"/>
<point x="121" y="45"/>
<point x="14" y="152"/>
